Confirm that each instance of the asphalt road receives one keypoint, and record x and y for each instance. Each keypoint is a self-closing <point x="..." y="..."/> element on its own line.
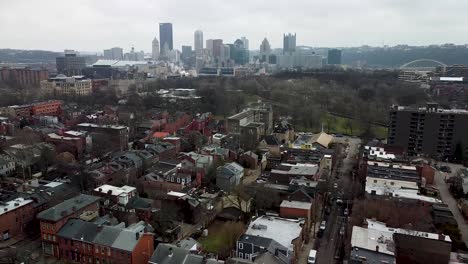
<point x="330" y="244"/>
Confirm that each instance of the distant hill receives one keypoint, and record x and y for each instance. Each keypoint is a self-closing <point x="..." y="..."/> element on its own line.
<point x="27" y="56"/>
<point x="394" y="57"/>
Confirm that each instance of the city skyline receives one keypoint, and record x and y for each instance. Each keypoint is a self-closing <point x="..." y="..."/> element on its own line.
<point x="324" y="24"/>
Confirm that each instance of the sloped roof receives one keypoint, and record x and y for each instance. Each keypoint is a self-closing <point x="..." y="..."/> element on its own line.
<point x="67" y="207"/>
<point x="171" y="254"/>
<point x="270" y="140"/>
<point x="323" y="139"/>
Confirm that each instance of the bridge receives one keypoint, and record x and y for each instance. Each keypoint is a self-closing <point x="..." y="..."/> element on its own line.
<point x="422" y="64"/>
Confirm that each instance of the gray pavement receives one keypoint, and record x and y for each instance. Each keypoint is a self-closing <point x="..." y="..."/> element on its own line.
<point x="331" y="241"/>
<point x="447" y="198"/>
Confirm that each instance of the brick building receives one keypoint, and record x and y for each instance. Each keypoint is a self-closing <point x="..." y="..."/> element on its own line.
<point x="52" y="107"/>
<point x="86" y="242"/>
<point x="52" y="219"/>
<point x="23" y="77"/>
<point x="15" y="215"/>
<point x="295" y="209"/>
<point x="117" y="135"/>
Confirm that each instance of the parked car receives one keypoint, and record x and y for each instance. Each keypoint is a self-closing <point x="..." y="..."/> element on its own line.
<point x="312" y="256"/>
<point x="322" y="227"/>
<point x="339" y="201"/>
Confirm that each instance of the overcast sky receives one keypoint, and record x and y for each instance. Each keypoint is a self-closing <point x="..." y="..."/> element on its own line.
<point x="92" y="25"/>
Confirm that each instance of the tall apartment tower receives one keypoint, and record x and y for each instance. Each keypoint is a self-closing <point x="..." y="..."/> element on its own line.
<point x="289" y="43"/>
<point x="165" y="36"/>
<point x="430" y="130"/>
<point x="155" y="49"/>
<point x="198" y="40"/>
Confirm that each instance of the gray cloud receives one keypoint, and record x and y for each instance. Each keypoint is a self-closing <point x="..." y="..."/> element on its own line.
<point x="92" y="25"/>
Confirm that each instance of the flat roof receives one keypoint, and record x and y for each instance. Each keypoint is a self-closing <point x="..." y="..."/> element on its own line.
<point x="296" y="204"/>
<point x="390" y="165"/>
<point x="115" y="190"/>
<point x="282" y="230"/>
<point x="74" y="133"/>
<point x="100" y="126"/>
<point x="13" y="205"/>
<point x="176" y="194"/>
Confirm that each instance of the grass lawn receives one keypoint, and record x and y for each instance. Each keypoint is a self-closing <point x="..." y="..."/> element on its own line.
<point x="222" y="236"/>
<point x="339" y="125"/>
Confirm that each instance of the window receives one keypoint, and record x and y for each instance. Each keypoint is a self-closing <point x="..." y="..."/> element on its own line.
<point x="102" y="250"/>
<point x="375" y="181"/>
<point x="108" y="252"/>
<point x="97" y="260"/>
<point x="241" y="246"/>
<point x="241" y="255"/>
<point x="392" y="183"/>
<point x="247" y="256"/>
<point x="178" y="180"/>
<point x="97" y="249"/>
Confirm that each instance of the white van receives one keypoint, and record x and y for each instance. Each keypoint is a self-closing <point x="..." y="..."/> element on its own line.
<point x="312" y="256"/>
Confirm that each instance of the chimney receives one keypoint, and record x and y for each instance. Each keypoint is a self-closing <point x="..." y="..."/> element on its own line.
<point x="377" y="248"/>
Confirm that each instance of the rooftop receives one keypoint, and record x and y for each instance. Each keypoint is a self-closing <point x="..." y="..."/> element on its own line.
<point x="12" y="205"/>
<point x="118" y="63"/>
<point x="391" y="165"/>
<point x="171" y="254"/>
<point x="67" y="207"/>
<point x="115" y="190"/>
<point x="112" y="236"/>
<point x="282" y="230"/>
<point x="242" y="114"/>
<point x="377" y="234"/>
<point x="101" y="126"/>
<point x="296" y="204"/>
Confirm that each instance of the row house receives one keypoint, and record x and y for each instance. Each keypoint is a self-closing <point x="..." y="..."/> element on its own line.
<point x="15" y="215"/>
<point x="87" y="242"/>
<point x="52" y="219"/>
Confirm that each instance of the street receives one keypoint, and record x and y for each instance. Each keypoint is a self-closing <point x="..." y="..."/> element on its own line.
<point x="448" y="199"/>
<point x="331" y="242"/>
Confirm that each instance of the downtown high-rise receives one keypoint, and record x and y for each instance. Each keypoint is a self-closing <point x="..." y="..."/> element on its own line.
<point x="198" y="40"/>
<point x="165" y="37"/>
<point x="289" y="43"/>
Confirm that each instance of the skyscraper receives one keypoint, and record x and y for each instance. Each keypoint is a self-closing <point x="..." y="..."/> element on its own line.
<point x="265" y="46"/>
<point x="186" y="53"/>
<point x="155" y="49"/>
<point x="198" y="41"/>
<point x="265" y="51"/>
<point x="334" y="57"/>
<point x="225" y="55"/>
<point x="246" y="42"/>
<point x="289" y="43"/>
<point x="165" y="35"/>
<point x="214" y="45"/>
<point x="239" y="54"/>
<point x="209" y="45"/>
